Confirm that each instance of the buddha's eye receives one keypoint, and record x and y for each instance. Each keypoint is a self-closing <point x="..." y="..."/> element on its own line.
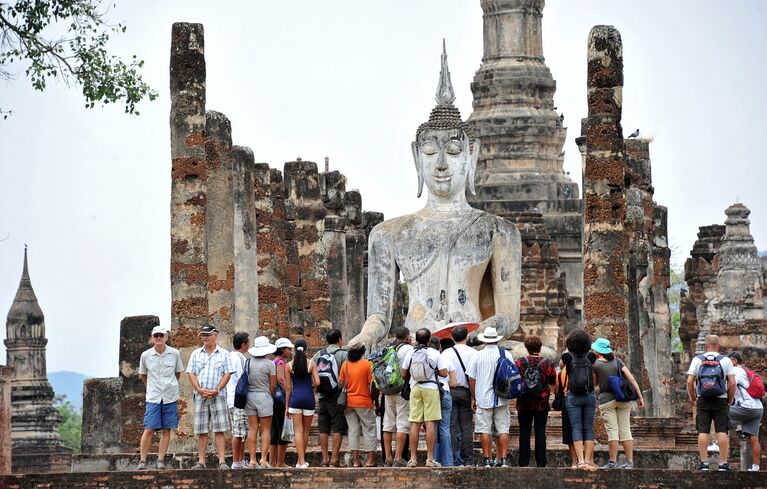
<point x="429" y="148"/>
<point x="453" y="147"/>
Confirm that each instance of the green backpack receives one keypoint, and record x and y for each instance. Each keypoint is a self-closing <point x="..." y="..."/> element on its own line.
<point x="387" y="372"/>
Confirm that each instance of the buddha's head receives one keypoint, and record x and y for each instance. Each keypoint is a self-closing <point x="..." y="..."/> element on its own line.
<point x="445" y="151"/>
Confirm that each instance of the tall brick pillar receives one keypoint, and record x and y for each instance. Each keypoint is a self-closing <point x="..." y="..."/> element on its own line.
<point x="188" y="204"/>
<point x="605" y="244"/>
<point x="245" y="252"/>
<point x="219" y="224"/>
<point x="356" y="246"/>
<point x="188" y="262"/>
<point x="6" y="376"/>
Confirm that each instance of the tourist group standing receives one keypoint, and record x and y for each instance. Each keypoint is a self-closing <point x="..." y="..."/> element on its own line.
<point x="442" y="388"/>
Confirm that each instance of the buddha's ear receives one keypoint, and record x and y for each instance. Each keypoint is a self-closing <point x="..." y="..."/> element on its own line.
<point x="473" y="158"/>
<point x="418" y="167"/>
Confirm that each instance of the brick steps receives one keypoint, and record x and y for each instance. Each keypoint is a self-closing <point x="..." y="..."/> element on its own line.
<point x="385" y="477"/>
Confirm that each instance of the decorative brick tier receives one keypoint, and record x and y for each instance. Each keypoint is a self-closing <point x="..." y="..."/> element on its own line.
<point x="400" y="478"/>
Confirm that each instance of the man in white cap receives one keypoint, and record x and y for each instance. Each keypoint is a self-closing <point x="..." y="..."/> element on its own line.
<point x="209" y="370"/>
<point x="159" y="369"/>
<point x="240" y="345"/>
<point x="493" y="418"/>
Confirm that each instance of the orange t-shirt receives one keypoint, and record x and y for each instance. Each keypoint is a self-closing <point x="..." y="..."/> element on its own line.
<point x="358" y="376"/>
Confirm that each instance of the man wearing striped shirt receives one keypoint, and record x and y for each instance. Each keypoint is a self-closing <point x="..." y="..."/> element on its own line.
<point x="493" y="417"/>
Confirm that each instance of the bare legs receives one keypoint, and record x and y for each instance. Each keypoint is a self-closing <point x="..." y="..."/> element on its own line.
<point x="146" y="443"/>
<point x="256" y="424"/>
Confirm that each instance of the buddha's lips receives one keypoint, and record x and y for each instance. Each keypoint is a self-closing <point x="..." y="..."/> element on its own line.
<point x="443" y="178"/>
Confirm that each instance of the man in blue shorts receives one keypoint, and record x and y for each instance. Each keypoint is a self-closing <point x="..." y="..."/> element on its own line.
<point x="159" y="369"/>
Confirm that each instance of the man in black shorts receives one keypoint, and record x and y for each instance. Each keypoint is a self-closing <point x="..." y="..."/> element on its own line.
<point x="330" y="417"/>
<point x="711" y="388"/>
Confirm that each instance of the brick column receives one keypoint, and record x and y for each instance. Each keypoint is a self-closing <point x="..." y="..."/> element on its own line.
<point x="605" y="244"/>
<point x="6" y="377"/>
<point x="245" y="231"/>
<point x="188" y="268"/>
<point x="219" y="224"/>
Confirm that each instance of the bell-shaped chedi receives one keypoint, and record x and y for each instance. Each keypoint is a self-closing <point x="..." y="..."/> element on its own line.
<point x="36" y="443"/>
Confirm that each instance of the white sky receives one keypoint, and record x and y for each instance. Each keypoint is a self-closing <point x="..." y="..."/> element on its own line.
<point x="89" y="190"/>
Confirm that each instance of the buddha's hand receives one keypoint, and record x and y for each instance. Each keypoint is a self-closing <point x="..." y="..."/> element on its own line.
<point x="372" y="331"/>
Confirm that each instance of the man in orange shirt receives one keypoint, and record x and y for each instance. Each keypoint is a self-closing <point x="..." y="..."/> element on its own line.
<point x="357" y="376"/>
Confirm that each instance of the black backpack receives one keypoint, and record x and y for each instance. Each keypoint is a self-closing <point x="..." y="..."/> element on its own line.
<point x="581" y="375"/>
<point x="533" y="380"/>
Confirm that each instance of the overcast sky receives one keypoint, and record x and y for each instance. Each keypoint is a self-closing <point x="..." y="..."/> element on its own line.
<point x="89" y="190"/>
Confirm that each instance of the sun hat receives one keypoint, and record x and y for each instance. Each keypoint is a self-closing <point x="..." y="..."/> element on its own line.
<point x="261" y="347"/>
<point x="208" y="329"/>
<point x="490" y="336"/>
<point x="601" y="346"/>
<point x="160" y="329"/>
<point x="283" y="343"/>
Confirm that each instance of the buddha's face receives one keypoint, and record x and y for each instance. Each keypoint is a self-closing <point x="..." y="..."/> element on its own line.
<point x="444" y="160"/>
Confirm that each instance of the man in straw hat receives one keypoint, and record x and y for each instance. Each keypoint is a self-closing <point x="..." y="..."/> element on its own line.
<point x="493" y="417"/>
<point x="159" y="369"/>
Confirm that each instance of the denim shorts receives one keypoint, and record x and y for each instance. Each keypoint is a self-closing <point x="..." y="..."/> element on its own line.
<point x="160" y="416"/>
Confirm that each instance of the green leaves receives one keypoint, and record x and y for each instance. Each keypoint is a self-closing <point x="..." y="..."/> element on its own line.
<point x="31" y="34"/>
<point x="71" y="425"/>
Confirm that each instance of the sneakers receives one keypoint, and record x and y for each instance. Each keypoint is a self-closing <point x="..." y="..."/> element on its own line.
<point x="160" y="465"/>
<point x="724" y="468"/>
<point x="627" y="465"/>
<point x="713" y="448"/>
<point x="141" y="465"/>
<point x="303" y="465"/>
<point x="502" y="463"/>
<point x="753" y="468"/>
<point x="486" y="462"/>
<point x="703" y="466"/>
<point x="611" y="464"/>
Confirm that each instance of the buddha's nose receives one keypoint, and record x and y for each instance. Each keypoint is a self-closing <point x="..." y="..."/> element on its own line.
<point x="441" y="162"/>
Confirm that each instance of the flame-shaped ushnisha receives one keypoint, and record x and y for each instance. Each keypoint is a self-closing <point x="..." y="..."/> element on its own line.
<point x="445" y="115"/>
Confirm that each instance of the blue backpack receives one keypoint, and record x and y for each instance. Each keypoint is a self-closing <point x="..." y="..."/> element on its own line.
<point x="711" y="382"/>
<point x="507" y="383"/>
<point x="241" y="389"/>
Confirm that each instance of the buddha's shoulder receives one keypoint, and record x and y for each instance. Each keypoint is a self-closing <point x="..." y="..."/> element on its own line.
<point x="502" y="226"/>
<point x="395" y="225"/>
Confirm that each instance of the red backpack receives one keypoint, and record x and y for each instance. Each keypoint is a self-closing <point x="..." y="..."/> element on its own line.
<point x="755" y="384"/>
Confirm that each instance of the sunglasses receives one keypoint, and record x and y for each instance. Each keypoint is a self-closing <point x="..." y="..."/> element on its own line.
<point x="158" y="335"/>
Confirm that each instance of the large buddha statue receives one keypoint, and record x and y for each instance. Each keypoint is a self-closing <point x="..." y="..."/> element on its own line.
<point x="460" y="264"/>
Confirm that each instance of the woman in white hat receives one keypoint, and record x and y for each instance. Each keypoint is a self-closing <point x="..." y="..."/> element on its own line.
<point x="261" y="382"/>
<point x="277" y="446"/>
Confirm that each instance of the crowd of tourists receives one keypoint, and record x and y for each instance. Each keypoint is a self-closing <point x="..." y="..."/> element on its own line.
<point x="443" y="388"/>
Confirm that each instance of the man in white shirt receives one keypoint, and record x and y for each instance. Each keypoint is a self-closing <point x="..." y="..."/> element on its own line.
<point x="397" y="408"/>
<point x="422" y="366"/>
<point x="159" y="369"/>
<point x="711" y="396"/>
<point x="240" y="343"/>
<point x="462" y="415"/>
<point x="746" y="411"/>
<point x="493" y="417"/>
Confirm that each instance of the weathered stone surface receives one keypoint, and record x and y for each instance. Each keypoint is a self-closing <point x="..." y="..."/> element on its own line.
<point x="404" y="479"/>
<point x="245" y="243"/>
<point x="520" y="167"/>
<point x="6" y="379"/>
<point x="102" y="415"/>
<point x="626" y="254"/>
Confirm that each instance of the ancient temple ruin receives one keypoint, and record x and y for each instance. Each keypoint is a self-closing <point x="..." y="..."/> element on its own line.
<point x="520" y="171"/>
<point x="253" y="248"/>
<point x="626" y="255"/>
<point x="35" y="442"/>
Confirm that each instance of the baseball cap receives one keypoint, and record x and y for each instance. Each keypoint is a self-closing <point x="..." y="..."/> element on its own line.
<point x="736" y="355"/>
<point x="208" y="329"/>
<point x="159" y="329"/>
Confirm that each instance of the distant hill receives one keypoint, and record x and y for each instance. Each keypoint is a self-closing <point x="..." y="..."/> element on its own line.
<point x="69" y="384"/>
<point x="763" y="253"/>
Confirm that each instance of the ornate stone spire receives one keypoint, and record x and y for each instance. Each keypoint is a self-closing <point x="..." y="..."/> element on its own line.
<point x="37" y="445"/>
<point x="520" y="167"/>
<point x="445" y="93"/>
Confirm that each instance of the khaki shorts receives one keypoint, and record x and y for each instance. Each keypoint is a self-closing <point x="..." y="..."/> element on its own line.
<point x="494" y="421"/>
<point x="397" y="412"/>
<point x="616" y="416"/>
<point x="425" y="405"/>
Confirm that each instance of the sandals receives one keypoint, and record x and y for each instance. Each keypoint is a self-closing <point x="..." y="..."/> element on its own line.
<point x="198" y="466"/>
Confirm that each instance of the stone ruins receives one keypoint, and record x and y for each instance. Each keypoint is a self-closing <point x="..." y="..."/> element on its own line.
<point x="34" y="437"/>
<point x="290" y="252"/>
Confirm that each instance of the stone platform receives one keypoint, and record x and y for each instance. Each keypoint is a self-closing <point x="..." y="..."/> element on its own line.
<point x="399" y="478"/>
<point x="644" y="458"/>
